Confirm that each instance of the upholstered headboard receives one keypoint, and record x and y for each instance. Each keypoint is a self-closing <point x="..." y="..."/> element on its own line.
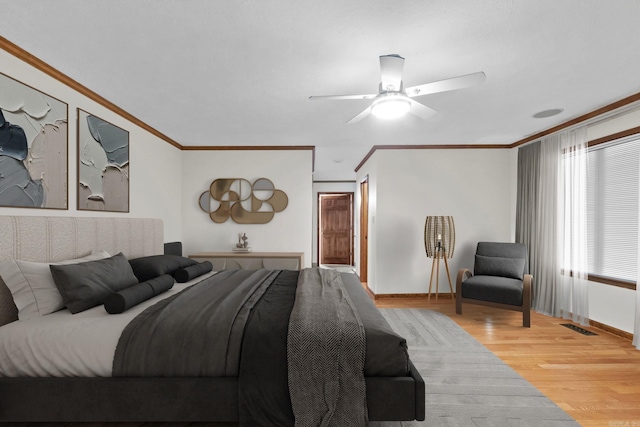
<point x="50" y="239"/>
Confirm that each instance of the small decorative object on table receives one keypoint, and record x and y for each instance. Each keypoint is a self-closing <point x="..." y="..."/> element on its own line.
<point x="243" y="243"/>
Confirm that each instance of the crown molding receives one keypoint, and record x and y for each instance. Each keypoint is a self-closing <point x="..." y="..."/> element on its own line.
<point x="427" y="147"/>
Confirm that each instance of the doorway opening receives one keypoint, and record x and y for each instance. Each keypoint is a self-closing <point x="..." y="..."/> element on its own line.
<point x="335" y="229"/>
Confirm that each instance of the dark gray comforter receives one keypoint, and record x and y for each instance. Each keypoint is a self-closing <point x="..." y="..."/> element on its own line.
<point x="196" y="333"/>
<point x="235" y="323"/>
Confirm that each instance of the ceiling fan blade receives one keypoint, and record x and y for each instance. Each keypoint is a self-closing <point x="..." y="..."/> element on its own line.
<point x="454" y="83"/>
<point x="391" y="72"/>
<point x="421" y="110"/>
<point x="332" y="97"/>
<point x="360" y="116"/>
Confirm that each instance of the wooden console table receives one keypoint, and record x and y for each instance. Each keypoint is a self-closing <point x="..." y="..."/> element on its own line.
<point x="252" y="260"/>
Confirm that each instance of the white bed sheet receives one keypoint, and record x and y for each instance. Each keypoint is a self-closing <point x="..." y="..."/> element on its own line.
<point x="62" y="344"/>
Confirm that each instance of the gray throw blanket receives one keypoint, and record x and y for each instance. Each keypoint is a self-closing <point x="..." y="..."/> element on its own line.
<point x="326" y="348"/>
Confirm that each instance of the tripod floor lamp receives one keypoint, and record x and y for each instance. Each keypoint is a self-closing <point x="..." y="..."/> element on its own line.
<point x="439" y="243"/>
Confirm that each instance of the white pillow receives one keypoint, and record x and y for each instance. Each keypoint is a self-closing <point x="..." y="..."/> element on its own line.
<point x="32" y="287"/>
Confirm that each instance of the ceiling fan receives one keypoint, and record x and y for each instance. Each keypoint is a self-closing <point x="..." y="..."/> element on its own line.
<point x="393" y="101"/>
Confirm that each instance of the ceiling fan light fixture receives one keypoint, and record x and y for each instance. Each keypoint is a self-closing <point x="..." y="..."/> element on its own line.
<point x="391" y="107"/>
<point x="393" y="100"/>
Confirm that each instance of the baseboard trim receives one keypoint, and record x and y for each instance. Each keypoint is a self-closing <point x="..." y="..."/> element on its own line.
<point x="610" y="329"/>
<point x="369" y="291"/>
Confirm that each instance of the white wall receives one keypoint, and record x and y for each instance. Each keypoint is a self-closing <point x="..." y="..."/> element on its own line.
<point x="614" y="124"/>
<point x="472" y="185"/>
<point x="289" y="230"/>
<point x="155" y="165"/>
<point x="514" y="191"/>
<point x="327" y="187"/>
<point x="368" y="172"/>
<point x="612" y="306"/>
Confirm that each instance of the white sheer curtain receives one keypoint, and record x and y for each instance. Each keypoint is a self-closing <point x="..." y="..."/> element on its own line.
<point x="572" y="227"/>
<point x="559" y="261"/>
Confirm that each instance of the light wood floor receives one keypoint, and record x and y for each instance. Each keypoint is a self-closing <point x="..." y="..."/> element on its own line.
<point x="596" y="379"/>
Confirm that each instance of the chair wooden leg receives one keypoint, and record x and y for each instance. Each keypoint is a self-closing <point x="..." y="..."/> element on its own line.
<point x="446" y="265"/>
<point x="527" y="292"/>
<point x="526" y="317"/>
<point x="459" y="279"/>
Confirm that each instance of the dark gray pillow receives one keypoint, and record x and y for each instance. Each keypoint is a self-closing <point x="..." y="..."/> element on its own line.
<point x="88" y="284"/>
<point x="497" y="266"/>
<point x="150" y="267"/>
<point x="189" y="273"/>
<point x="125" y="299"/>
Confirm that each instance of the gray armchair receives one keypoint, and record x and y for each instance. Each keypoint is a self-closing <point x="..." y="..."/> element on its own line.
<point x="500" y="279"/>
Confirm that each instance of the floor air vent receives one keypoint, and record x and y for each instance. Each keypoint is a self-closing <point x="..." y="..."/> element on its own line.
<point x="578" y="329"/>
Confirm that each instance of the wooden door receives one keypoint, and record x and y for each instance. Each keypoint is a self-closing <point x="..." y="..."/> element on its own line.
<point x="364" y="230"/>
<point x="336" y="228"/>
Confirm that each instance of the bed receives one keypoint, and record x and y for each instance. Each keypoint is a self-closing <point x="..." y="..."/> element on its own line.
<point x="70" y="394"/>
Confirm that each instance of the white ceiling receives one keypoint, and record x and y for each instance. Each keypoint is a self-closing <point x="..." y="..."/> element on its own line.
<point x="239" y="72"/>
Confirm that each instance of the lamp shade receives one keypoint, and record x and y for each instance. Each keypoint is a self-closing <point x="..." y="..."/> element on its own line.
<point x="439" y="236"/>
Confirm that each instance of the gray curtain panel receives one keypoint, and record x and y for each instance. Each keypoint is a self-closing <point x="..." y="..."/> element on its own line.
<point x="527" y="203"/>
<point x="527" y="199"/>
<point x="536" y="223"/>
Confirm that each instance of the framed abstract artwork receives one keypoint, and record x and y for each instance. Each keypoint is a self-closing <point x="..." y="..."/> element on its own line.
<point x="34" y="142"/>
<point x="103" y="165"/>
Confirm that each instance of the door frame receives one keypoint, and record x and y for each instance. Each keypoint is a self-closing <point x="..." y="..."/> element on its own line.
<point x="364" y="229"/>
<point x="319" y="225"/>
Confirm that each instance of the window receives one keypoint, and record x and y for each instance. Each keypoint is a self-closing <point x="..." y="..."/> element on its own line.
<point x="612" y="209"/>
